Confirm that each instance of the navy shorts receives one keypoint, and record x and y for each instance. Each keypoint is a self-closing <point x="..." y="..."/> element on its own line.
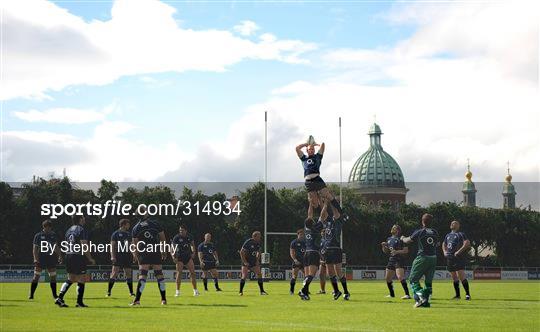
<point x="150" y="258"/>
<point x="123" y="260"/>
<point x="208" y="266"/>
<point x="75" y="264"/>
<point x="315" y="184"/>
<point x="394" y="264"/>
<point x="311" y="258"/>
<point x="454" y="263"/>
<point x="47" y="261"/>
<point x="333" y="256"/>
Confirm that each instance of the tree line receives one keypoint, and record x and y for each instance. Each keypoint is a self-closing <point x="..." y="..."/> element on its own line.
<point x="499" y="237"/>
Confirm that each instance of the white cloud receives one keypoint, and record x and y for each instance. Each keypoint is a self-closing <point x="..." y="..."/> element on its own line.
<point x="61" y="115"/>
<point x="47" y="48"/>
<point x="246" y="28"/>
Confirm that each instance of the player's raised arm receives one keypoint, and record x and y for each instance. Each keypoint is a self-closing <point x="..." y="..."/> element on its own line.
<point x="466" y="245"/>
<point x="299" y="148"/>
<point x="321" y="149"/>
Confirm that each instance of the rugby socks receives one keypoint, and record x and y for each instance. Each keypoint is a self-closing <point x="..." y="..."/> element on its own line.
<point x="428" y="289"/>
<point x="333" y="280"/>
<point x="335" y="204"/>
<point x="344" y="285"/>
<point x="242" y="284"/>
<point x="307" y="281"/>
<point x="391" y="289"/>
<point x="80" y="292"/>
<point x="33" y="287"/>
<point x="456" y="287"/>
<point x="140" y="288"/>
<point x="216" y="283"/>
<point x="404" y="285"/>
<point x="129" y="283"/>
<point x="162" y="288"/>
<point x="293" y="283"/>
<point x="111" y="284"/>
<point x="64" y="289"/>
<point x="205" y="283"/>
<point x="261" y="285"/>
<point x="465" y="284"/>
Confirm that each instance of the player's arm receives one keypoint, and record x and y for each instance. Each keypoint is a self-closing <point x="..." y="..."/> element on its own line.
<point x="292" y="253"/>
<point x="87" y="253"/>
<point x="35" y="253"/>
<point x="200" y="255"/>
<point x="193" y="250"/>
<point x="443" y="247"/>
<point x="384" y="246"/>
<point x="403" y="251"/>
<point x="58" y="253"/>
<point x="163" y="241"/>
<point x="216" y="257"/>
<point x="321" y="149"/>
<point x="135" y="253"/>
<point x="113" y="251"/>
<point x="407" y="239"/>
<point x="243" y="256"/>
<point x="299" y="149"/>
<point x="466" y="245"/>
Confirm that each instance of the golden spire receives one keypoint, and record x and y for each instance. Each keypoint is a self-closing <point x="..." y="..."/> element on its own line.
<point x="508" y="176"/>
<point x="468" y="175"/>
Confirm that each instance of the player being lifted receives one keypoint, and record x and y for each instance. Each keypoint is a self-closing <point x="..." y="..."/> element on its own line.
<point x="151" y="233"/>
<point x="76" y="235"/>
<point x="332" y="253"/>
<point x="183" y="256"/>
<point x="455" y="247"/>
<point x="314" y="183"/>
<point x="312" y="257"/>
<point x="425" y="261"/>
<point x="250" y="255"/>
<point x="121" y="259"/>
<point x="397" y="251"/>
<point x="45" y="259"/>
<point x="296" y="251"/>
<point x="209" y="260"/>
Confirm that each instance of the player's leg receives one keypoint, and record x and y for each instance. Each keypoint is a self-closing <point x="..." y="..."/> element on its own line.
<point x="112" y="278"/>
<point x="431" y="263"/>
<point x="215" y="275"/>
<point x="389" y="276"/>
<point x="72" y="278"/>
<point x="463" y="278"/>
<point x="158" y="272"/>
<point x="141" y="283"/>
<point x="333" y="279"/>
<point x="81" y="285"/>
<point x="343" y="279"/>
<point x="455" y="280"/>
<point x="400" y="272"/>
<point x="204" y="276"/>
<point x="330" y="198"/>
<point x="35" y="280"/>
<point x="414" y="279"/>
<point x="293" y="279"/>
<point x="245" y="271"/>
<point x="322" y="277"/>
<point x="313" y="200"/>
<point x="52" y="281"/>
<point x="311" y="271"/>
<point x="257" y="271"/>
<point x="192" y="275"/>
<point x="179" y="270"/>
<point x="129" y="279"/>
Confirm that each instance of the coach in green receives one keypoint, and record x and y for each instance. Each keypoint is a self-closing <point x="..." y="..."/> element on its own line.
<point x="425" y="261"/>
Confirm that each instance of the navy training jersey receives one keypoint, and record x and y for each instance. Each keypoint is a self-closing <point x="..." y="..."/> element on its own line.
<point x="395" y="243"/>
<point x="299" y="247"/>
<point x="252" y="248"/>
<point x="183" y="244"/>
<point x="49" y="237"/>
<point x="207" y="249"/>
<point x="311" y="235"/>
<point x="453" y="241"/>
<point x="332" y="233"/>
<point x="147" y="231"/>
<point x="122" y="238"/>
<point x="311" y="164"/>
<point x="428" y="240"/>
<point x="74" y="235"/>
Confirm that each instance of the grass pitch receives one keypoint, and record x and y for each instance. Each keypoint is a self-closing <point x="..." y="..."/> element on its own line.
<point x="495" y="306"/>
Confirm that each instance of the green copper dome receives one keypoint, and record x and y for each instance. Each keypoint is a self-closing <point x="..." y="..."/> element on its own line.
<point x="376" y="168"/>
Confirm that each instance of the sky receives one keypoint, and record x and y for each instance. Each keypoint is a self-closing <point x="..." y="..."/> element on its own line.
<point x="176" y="91"/>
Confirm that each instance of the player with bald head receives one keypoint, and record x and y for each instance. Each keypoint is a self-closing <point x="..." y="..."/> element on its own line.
<point x="250" y="254"/>
<point x="209" y="260"/>
<point x="455" y="248"/>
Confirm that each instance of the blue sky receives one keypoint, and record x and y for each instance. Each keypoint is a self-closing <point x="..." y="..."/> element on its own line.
<point x="91" y="85"/>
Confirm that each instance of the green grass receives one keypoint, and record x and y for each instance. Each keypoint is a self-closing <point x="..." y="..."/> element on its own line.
<point x="495" y="306"/>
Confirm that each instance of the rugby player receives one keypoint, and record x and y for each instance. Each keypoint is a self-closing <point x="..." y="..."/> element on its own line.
<point x="455" y="248"/>
<point x="76" y="235"/>
<point x="250" y="256"/>
<point x="424" y="264"/>
<point x="149" y="232"/>
<point x="209" y="260"/>
<point x="45" y="259"/>
<point x="396" y="250"/>
<point x="322" y="268"/>
<point x="183" y="256"/>
<point x="333" y="255"/>
<point x="312" y="257"/>
<point x="314" y="183"/>
<point x="296" y="251"/>
<point x="120" y="239"/>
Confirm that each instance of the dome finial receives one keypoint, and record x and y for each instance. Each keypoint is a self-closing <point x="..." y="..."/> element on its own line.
<point x="508" y="176"/>
<point x="468" y="175"/>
